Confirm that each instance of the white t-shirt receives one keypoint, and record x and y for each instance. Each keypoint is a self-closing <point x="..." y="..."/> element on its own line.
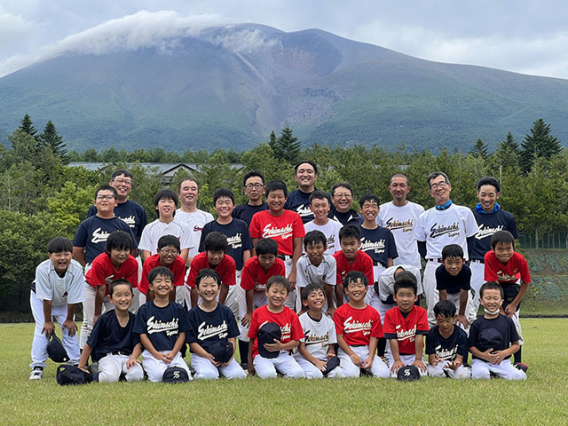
<point x="442" y="227"/>
<point x="155" y="230"/>
<point x="386" y="280"/>
<point x="61" y="291"/>
<point x="331" y="232"/>
<point x="318" y="335"/>
<point x="195" y="222"/>
<point x="308" y="273"/>
<point x="401" y="222"/>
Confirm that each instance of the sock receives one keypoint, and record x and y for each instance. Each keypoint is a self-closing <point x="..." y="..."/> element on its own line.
<point x="381" y="346"/>
<point x="517" y="355"/>
<point x="243" y="351"/>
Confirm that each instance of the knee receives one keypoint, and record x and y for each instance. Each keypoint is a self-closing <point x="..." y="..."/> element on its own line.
<point x="106" y="376"/>
<point x="435" y="372"/>
<point x="313" y="374"/>
<point x="297" y="373"/>
<point x="267" y="374"/>
<point x="135" y="374"/>
<point x="207" y="374"/>
<point x="480" y="374"/>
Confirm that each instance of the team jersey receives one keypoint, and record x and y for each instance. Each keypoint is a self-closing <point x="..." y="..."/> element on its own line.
<point x="362" y="263"/>
<point x="69" y="289"/>
<point x="447" y="349"/>
<point x="238" y="237"/>
<point x="255" y="278"/>
<point x="208" y="328"/>
<point x="319" y="335"/>
<point x="177" y="267"/>
<point x="331" y="232"/>
<point x="225" y="269"/>
<point x="282" y="229"/>
<point x="287" y="320"/>
<point x="195" y="221"/>
<point x="299" y="202"/>
<point x="308" y="273"/>
<point x="517" y="267"/>
<point x="489" y="224"/>
<point x="102" y="268"/>
<point x="162" y="325"/>
<point x="155" y="230"/>
<point x="405" y="328"/>
<point x="357" y="325"/>
<point x="109" y="336"/>
<point x="93" y="233"/>
<point x="245" y="212"/>
<point x="497" y="334"/>
<point x="453" y="285"/>
<point x="386" y="282"/>
<point x="438" y="228"/>
<point x="379" y="244"/>
<point x="350" y="217"/>
<point x="130" y="212"/>
<point x="401" y="222"/>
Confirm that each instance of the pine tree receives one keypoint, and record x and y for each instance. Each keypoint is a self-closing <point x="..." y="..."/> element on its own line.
<point x="28" y="126"/>
<point x="479" y="150"/>
<point x="273" y="144"/>
<point x="540" y="143"/>
<point x="508" y="152"/>
<point x="289" y="145"/>
<point x="50" y="138"/>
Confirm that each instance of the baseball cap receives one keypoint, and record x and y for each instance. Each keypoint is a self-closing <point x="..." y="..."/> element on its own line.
<point x="331" y="364"/>
<point x="175" y="375"/>
<point x="72" y="375"/>
<point x="221" y="351"/>
<point x="55" y="350"/>
<point x="408" y="373"/>
<point x="266" y="334"/>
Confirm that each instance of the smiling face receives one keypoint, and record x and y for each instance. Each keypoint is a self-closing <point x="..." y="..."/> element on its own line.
<point x="276" y="200"/>
<point x="208" y="289"/>
<point x="121" y="297"/>
<point x="440" y="190"/>
<point x="306" y="177"/>
<point x="166" y="208"/>
<point x="488" y="196"/>
<point x="118" y="256"/>
<point x="342" y="199"/>
<point x="105" y="203"/>
<point x="320" y="209"/>
<point x="167" y="255"/>
<point x="161" y="286"/>
<point x="188" y="193"/>
<point x="224" y="207"/>
<point x="315" y="300"/>
<point x="277" y="295"/>
<point x="356" y="290"/>
<point x="350" y="246"/>
<point x="123" y="186"/>
<point x="370" y="210"/>
<point x="453" y="265"/>
<point x="491" y="300"/>
<point x="61" y="261"/>
<point x="399" y="189"/>
<point x="405" y="298"/>
<point x="504" y="252"/>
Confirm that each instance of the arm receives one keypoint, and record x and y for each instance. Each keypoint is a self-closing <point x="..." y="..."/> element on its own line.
<point x="246" y="256"/>
<point x="254" y="241"/>
<point x="194" y="296"/>
<point x="433" y="360"/>
<point x="135" y="355"/>
<point x="471" y="242"/>
<point x="443" y="294"/>
<point x="245" y="321"/>
<point x="184" y="254"/>
<point x="419" y="348"/>
<point x="179" y="343"/>
<point x="422" y="249"/>
<point x="87" y="350"/>
<point x="48" y="325"/>
<point x="99" y="298"/>
<point x="390" y="262"/>
<point x="145" y="254"/>
<point x="321" y="365"/>
<point x="197" y="349"/>
<point x="69" y="323"/>
<point x="373" y="341"/>
<point x="461" y="319"/>
<point x="145" y="340"/>
<point x="512" y="307"/>
<point x="223" y="294"/>
<point x="339" y="294"/>
<point x="279" y="346"/>
<point x="355" y="359"/>
<point x="457" y="362"/>
<point x="396" y="356"/>
<point x="79" y="255"/>
<point x="295" y="257"/>
<point x="329" y="296"/>
<point x="249" y="357"/>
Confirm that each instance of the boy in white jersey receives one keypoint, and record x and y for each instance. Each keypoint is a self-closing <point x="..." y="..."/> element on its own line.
<point x="319" y="205"/>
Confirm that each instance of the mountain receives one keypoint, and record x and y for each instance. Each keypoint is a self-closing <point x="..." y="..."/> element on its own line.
<point x="230" y="86"/>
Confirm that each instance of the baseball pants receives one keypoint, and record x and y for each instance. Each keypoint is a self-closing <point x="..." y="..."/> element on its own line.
<point x="285" y="364"/>
<point x="482" y="370"/>
<point x="204" y="370"/>
<point x="441" y="371"/>
<point x="477" y="280"/>
<point x="312" y="372"/>
<point x="155" y="368"/>
<point x="112" y="366"/>
<point x="378" y="367"/>
<point x="430" y="292"/>
<point x="406" y="359"/>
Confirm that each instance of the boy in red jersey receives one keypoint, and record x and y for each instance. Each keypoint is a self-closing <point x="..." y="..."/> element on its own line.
<point x="405" y="326"/>
<point x="358" y="328"/>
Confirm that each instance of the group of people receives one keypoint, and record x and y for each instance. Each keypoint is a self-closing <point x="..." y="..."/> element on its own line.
<point x="301" y="283"/>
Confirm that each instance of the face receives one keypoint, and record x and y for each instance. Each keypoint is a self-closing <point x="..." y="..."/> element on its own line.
<point x="370" y="210"/>
<point x="342" y="199"/>
<point x="266" y="260"/>
<point x="487" y="196"/>
<point x="105" y="201"/>
<point x="405" y="299"/>
<point x="305" y="176"/>
<point x="167" y="255"/>
<point x="356" y="290"/>
<point x="215" y="257"/>
<point x="161" y="286"/>
<point x="453" y="265"/>
<point x="121" y="297"/>
<point x="350" y="246"/>
<point x="315" y="300"/>
<point x="491" y="300"/>
<point x="188" y="192"/>
<point x="123" y="186"/>
<point x="315" y="252"/>
<point x="399" y="188"/>
<point x="61" y="260"/>
<point x="446" y="325"/>
<point x="277" y="295"/>
<point x="320" y="208"/>
<point x="224" y="207"/>
<point x="119" y="256"/>
<point x="276" y="200"/>
<point x="440" y="190"/>
<point x="166" y="208"/>
<point x="254" y="188"/>
<point x="504" y="252"/>
<point x="208" y="289"/>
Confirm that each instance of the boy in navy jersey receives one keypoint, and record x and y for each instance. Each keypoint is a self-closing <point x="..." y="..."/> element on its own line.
<point x="253" y="187"/>
<point x="112" y="342"/>
<point x="446" y="345"/>
<point x="162" y="325"/>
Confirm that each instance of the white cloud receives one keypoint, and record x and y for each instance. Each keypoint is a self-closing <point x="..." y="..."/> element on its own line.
<point x="13" y="27"/>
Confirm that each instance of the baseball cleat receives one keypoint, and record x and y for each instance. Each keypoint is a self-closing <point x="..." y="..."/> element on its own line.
<point x="36" y="373"/>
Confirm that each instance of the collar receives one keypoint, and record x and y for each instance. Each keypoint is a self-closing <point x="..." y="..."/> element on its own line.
<point x="444" y="206"/>
<point x="479" y="209"/>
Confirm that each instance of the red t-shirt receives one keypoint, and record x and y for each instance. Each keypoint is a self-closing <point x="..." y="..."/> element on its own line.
<point x="517" y="267"/>
<point x="254" y="277"/>
<point x="226" y="269"/>
<point x="405" y="329"/>
<point x="363" y="263"/>
<point x="282" y="229"/>
<point x="357" y="325"/>
<point x="102" y="267"/>
<point x="177" y="267"/>
<point x="288" y="321"/>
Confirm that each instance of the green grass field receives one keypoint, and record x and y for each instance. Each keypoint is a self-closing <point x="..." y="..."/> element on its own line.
<point x="541" y="400"/>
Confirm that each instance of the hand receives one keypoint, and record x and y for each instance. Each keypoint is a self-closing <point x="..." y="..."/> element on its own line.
<point x="83" y="369"/>
<point x="499" y="357"/>
<point x="455" y="365"/>
<point x="321" y="365"/>
<point x="250" y="368"/>
<point x="330" y="311"/>
<point x="419" y="364"/>
<point x="166" y="358"/>
<point x="245" y="321"/>
<point x="292" y="279"/>
<point x="277" y="346"/>
<point x="356" y="359"/>
<point x="489" y="355"/>
<point x="131" y="362"/>
<point x="368" y="362"/>
<point x="70" y="326"/>
<point x="211" y="359"/>
<point x="511" y="310"/>
<point x="331" y="354"/>
<point x="48" y="328"/>
<point x="109" y="280"/>
<point x="462" y="320"/>
<point x="397" y="365"/>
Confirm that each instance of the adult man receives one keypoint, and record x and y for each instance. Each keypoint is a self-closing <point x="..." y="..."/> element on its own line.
<point x="400" y="216"/>
<point x="253" y="187"/>
<point x="491" y="218"/>
<point x="299" y="200"/>
<point x="445" y="223"/>
<point x="342" y="197"/>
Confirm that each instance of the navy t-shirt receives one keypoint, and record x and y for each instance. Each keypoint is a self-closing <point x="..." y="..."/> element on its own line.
<point x="245" y="212"/>
<point x="207" y="328"/>
<point x="238" y="237"/>
<point x="130" y="212"/>
<point x="93" y="233"/>
<point x="497" y="333"/>
<point x="299" y="202"/>
<point x="109" y="336"/>
<point x="447" y="349"/>
<point x="162" y="325"/>
<point x="379" y="244"/>
<point x="489" y="224"/>
<point x="351" y="217"/>
<point x="453" y="285"/>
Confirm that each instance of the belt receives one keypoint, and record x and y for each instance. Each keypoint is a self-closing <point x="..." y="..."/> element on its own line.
<point x="123" y="353"/>
<point x="477" y="261"/>
<point x="437" y="260"/>
<point x="284" y="257"/>
<point x="377" y="263"/>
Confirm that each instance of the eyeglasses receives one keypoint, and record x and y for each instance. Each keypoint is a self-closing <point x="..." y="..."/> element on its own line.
<point x="105" y="197"/>
<point x="169" y="252"/>
<point x="123" y="181"/>
<point x="343" y="195"/>
<point x="254" y="185"/>
<point x="439" y="185"/>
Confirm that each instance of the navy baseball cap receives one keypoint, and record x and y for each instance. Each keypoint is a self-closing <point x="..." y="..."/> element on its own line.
<point x="266" y="334"/>
<point x="331" y="364"/>
<point x="72" y="375"/>
<point x="222" y="351"/>
<point x="175" y="375"/>
<point x="55" y="350"/>
<point x="408" y="373"/>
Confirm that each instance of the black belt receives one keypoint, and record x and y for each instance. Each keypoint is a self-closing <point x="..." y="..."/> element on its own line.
<point x="123" y="353"/>
<point x="478" y="261"/>
<point x="284" y="257"/>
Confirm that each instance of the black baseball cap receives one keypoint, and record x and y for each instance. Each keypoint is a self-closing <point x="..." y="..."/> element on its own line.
<point x="175" y="375"/>
<point x="222" y="351"/>
<point x="408" y="373"/>
<point x="266" y="334"/>
<point x="55" y="350"/>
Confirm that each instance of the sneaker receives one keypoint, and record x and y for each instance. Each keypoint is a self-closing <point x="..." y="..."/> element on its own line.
<point x="521" y="366"/>
<point x="36" y="373"/>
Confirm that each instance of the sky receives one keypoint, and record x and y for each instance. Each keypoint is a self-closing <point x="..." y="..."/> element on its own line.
<point x="525" y="36"/>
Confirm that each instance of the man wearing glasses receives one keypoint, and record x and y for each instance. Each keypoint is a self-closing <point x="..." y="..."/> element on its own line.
<point x="342" y="198"/>
<point x="445" y="223"/>
<point x="253" y="187"/>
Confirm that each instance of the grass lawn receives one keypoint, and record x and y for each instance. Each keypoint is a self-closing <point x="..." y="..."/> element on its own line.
<point x="541" y="400"/>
